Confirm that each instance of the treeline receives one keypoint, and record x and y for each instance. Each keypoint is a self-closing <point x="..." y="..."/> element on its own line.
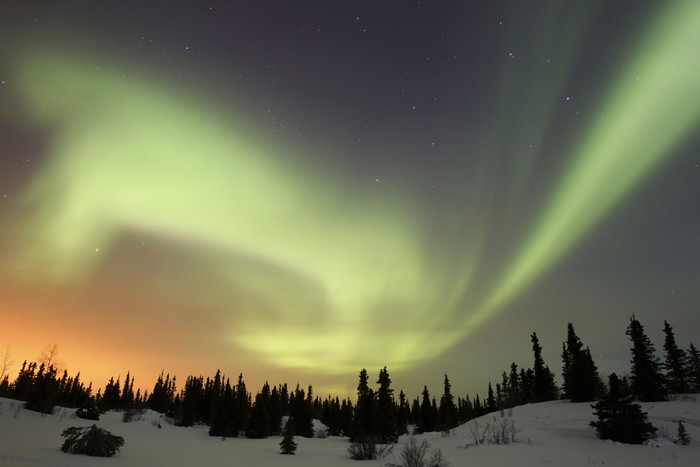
<point x="230" y="410"/>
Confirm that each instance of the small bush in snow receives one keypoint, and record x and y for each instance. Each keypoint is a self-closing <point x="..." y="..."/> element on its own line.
<point x="501" y="433"/>
<point x="368" y="449"/>
<point x="88" y="412"/>
<point x="133" y="415"/>
<point x="478" y="436"/>
<point x="91" y="441"/>
<point x="416" y="455"/>
<point x="619" y="419"/>
<point x="683" y="437"/>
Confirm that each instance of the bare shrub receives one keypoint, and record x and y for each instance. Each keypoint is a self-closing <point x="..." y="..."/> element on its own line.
<point x="501" y="433"/>
<point x="133" y="415"/>
<point x="368" y="449"/>
<point x="478" y="436"/>
<point x="416" y="455"/>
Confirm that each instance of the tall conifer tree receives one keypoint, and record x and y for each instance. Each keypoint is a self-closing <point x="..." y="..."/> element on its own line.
<point x="386" y="410"/>
<point x="694" y="368"/>
<point x="427" y="420"/>
<point x="675" y="364"/>
<point x="365" y="411"/>
<point x="580" y="374"/>
<point x="448" y="411"/>
<point x="647" y="381"/>
<point x="544" y="387"/>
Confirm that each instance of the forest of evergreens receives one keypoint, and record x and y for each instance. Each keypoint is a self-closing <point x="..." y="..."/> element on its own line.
<point x="229" y="409"/>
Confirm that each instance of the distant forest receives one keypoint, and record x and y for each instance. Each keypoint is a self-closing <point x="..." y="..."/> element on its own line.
<point x="230" y="410"/>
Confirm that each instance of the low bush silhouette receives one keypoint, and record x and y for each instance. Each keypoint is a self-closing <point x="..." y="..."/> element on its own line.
<point x="91" y="441"/>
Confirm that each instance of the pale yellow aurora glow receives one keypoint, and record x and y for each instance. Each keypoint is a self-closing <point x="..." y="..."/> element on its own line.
<point x="320" y="266"/>
<point x="320" y="263"/>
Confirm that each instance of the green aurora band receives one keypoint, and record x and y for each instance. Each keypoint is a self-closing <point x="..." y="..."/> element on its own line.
<point x="318" y="266"/>
<point x="314" y="264"/>
<point x="653" y="108"/>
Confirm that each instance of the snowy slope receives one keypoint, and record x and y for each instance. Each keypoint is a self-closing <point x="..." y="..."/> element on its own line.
<point x="551" y="433"/>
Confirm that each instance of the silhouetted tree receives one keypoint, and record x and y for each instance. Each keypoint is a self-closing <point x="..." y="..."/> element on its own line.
<point x="24" y="383"/>
<point x="404" y="415"/>
<point x="647" y="381"/>
<point x="675" y="364"/>
<point x="127" y="397"/>
<point x="332" y="417"/>
<point x="448" y="411"/>
<point x="544" y="387"/>
<point x="694" y="368"/>
<point x="242" y="404"/>
<point x="288" y="445"/>
<point x="619" y="419"/>
<point x="580" y="374"/>
<point x="365" y="411"/>
<point x="347" y="411"/>
<point x="513" y="389"/>
<point x="301" y="410"/>
<point x="490" y="400"/>
<point x="427" y="420"/>
<point x="45" y="392"/>
<point x="258" y="424"/>
<point x="276" y="411"/>
<point x="192" y="403"/>
<point x="415" y="412"/>
<point x="111" y="396"/>
<point x="225" y="415"/>
<point x="386" y="410"/>
<point x="162" y="397"/>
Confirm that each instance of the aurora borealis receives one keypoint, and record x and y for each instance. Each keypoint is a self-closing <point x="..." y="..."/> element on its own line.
<point x="298" y="190"/>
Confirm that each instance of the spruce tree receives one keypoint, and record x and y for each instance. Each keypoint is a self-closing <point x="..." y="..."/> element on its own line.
<point x="288" y="445"/>
<point x="580" y="374"/>
<point x="404" y="415"/>
<point x="683" y="437"/>
<point x="301" y="413"/>
<point x="45" y="392"/>
<point x="490" y="400"/>
<point x="514" y="392"/>
<point x="258" y="423"/>
<point x="647" y="383"/>
<point x="427" y="421"/>
<point x="415" y="412"/>
<point x="448" y="411"/>
<point x="435" y="412"/>
<point x="275" y="412"/>
<point x="365" y="422"/>
<point x="694" y="368"/>
<point x="223" y="422"/>
<point x="112" y="395"/>
<point x="619" y="419"/>
<point x="675" y="364"/>
<point x="127" y="397"/>
<point x="386" y="410"/>
<point x="544" y="387"/>
<point x="242" y="406"/>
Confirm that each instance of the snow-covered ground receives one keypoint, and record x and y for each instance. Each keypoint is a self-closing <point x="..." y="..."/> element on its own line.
<point x="551" y="433"/>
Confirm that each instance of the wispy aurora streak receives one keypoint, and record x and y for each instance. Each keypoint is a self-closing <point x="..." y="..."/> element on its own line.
<point x="655" y="105"/>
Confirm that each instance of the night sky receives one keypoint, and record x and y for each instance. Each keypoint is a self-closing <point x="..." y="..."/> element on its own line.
<point x="296" y="190"/>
